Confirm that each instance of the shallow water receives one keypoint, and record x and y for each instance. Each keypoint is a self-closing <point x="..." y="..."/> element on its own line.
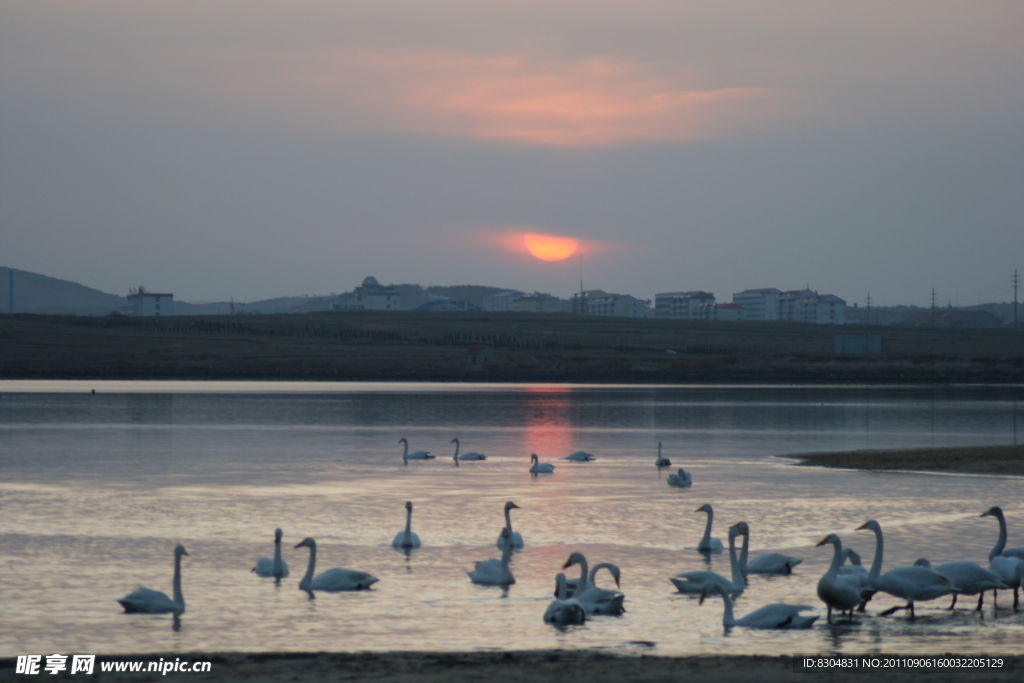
<point x="96" y="489"/>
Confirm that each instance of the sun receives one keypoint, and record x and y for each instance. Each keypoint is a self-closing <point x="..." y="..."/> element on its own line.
<point x="549" y="248"/>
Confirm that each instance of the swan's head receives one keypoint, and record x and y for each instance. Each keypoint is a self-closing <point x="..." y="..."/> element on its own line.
<point x="575" y="558"/>
<point x="408" y="505"/>
<point x="534" y="458"/>
<point x="455" y="440"/>
<point x="743" y="527"/>
<point x="277" y="535"/>
<point x="923" y="562"/>
<point x="707" y="589"/>
<point x="735" y="531"/>
<point x="404" y="440"/>
<point x="180" y="550"/>
<point x="511" y="506"/>
<point x="831" y="538"/>
<point x="704" y="508"/>
<point x="871" y="525"/>
<point x="615" y="573"/>
<point x="307" y="543"/>
<point x="994" y="511"/>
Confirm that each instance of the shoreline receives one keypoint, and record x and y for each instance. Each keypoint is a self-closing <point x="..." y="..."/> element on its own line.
<point x="993" y="460"/>
<point x="534" y="666"/>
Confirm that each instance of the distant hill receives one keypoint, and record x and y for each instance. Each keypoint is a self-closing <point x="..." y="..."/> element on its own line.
<point x="34" y="293"/>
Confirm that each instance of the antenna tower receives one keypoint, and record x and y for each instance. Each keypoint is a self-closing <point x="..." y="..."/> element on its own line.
<point x="933" y="306"/>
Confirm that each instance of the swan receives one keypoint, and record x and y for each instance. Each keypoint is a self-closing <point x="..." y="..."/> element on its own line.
<point x="693" y="582"/>
<point x="706" y="543"/>
<point x="272" y="566"/>
<point x="564" y="611"/>
<point x="769" y="563"/>
<point x="472" y="455"/>
<point x="681" y="479"/>
<point x="776" y="615"/>
<point x="909" y="583"/>
<point x="513" y="538"/>
<point x="835" y="589"/>
<point x="600" y="600"/>
<point x="659" y="461"/>
<point x="1008" y="564"/>
<point x="539" y="467"/>
<point x="494" y="572"/>
<point x="855" y="573"/>
<point x="332" y="580"/>
<point x="579" y="456"/>
<point x="415" y="455"/>
<point x="148" y="601"/>
<point x="968" y="577"/>
<point x="406" y="539"/>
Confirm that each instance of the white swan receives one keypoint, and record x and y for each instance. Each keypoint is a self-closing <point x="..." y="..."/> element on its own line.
<point x="601" y="600"/>
<point x="539" y="467"/>
<point x="332" y="580"/>
<point x="513" y="538"/>
<point x="776" y="615"/>
<point x="415" y="455"/>
<point x="472" y="455"/>
<point x="494" y="572"/>
<point x="856" y="574"/>
<point x="693" y="582"/>
<point x="659" y="461"/>
<point x="406" y="539"/>
<point x="909" y="583"/>
<point x="681" y="479"/>
<point x="579" y="456"/>
<point x="1007" y="564"/>
<point x="835" y="589"/>
<point x="272" y="566"/>
<point x="706" y="543"/>
<point x="148" y="601"/>
<point x="563" y="610"/>
<point x="968" y="578"/>
<point x="769" y="563"/>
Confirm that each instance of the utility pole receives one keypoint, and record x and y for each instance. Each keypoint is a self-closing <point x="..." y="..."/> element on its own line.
<point x="869" y="308"/>
<point x="933" y="306"/>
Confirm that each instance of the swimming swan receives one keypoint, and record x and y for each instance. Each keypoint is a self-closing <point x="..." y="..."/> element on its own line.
<point x="693" y="582"/>
<point x="332" y="580"/>
<point x="659" y="461"/>
<point x="601" y="600"/>
<point x="539" y="467"/>
<point x="706" y="543"/>
<point x="776" y="615"/>
<point x="272" y="566"/>
<point x="148" y="601"/>
<point x="837" y="590"/>
<point x="563" y="610"/>
<point x="769" y="563"/>
<point x="415" y="455"/>
<point x="909" y="583"/>
<point x="494" y="572"/>
<point x="681" y="479"/>
<point x="579" y="456"/>
<point x="406" y="539"/>
<point x="514" y="536"/>
<point x="466" y="457"/>
<point x="968" y="578"/>
<point x="1007" y="563"/>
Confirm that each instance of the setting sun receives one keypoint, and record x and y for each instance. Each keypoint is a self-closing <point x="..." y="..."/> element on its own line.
<point x="548" y="248"/>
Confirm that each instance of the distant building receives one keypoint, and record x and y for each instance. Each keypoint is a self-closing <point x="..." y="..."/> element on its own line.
<point x="502" y="301"/>
<point x="953" y="318"/>
<point x="149" y="304"/>
<point x="617" y="305"/>
<point x="681" y="305"/>
<point x="539" y="302"/>
<point x="371" y="296"/>
<point x="758" y="304"/>
<point x="790" y="304"/>
<point x="823" y="309"/>
<point x="447" y="305"/>
<point x="720" y="312"/>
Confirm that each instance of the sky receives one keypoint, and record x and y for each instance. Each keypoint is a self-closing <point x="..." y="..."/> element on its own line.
<point x="249" y="149"/>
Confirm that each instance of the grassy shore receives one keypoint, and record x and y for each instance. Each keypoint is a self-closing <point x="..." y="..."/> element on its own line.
<point x="961" y="460"/>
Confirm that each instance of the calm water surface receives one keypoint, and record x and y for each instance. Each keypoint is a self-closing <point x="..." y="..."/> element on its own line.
<point x="96" y="489"/>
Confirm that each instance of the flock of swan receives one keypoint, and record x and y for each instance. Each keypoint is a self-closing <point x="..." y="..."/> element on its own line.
<point x="843" y="588"/>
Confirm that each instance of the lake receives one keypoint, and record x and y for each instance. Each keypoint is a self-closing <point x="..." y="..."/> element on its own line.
<point x="97" y="488"/>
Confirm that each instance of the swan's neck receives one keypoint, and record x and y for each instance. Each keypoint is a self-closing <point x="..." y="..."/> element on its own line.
<point x="659" y="452"/>
<point x="707" y="527"/>
<point x="1001" y="543"/>
<point x="727" y="617"/>
<point x="308" y="578"/>
<point x="278" y="562"/>
<point x="405" y="450"/>
<point x="456" y="456"/>
<point x="743" y="552"/>
<point x="408" y="525"/>
<point x="584" y="583"/>
<point x="837" y="562"/>
<point x="508" y="524"/>
<point x="506" y="555"/>
<point x="179" y="599"/>
<point x="737" y="575"/>
<point x="876" y="564"/>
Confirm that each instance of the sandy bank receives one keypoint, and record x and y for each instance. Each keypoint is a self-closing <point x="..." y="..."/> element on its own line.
<point x="965" y="459"/>
<point x="554" y="666"/>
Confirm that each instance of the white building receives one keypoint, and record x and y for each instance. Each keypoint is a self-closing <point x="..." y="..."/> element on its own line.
<point x="681" y="305"/>
<point x="823" y="309"/>
<point x="149" y="304"/>
<point x="502" y="301"/>
<point x="617" y="305"/>
<point x="371" y="296"/>
<point x="720" y="312"/>
<point x="791" y="303"/>
<point x="539" y="302"/>
<point x="758" y="304"/>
